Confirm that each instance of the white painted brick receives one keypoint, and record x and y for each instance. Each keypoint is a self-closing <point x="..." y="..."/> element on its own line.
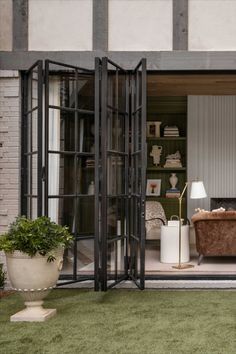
<point x="9" y="73"/>
<point x="10" y="139"/>
<point x="3" y="212"/>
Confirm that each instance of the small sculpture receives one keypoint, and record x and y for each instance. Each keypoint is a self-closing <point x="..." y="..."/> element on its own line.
<point x="175" y="156"/>
<point x="173" y="160"/>
<point x="156" y="154"/>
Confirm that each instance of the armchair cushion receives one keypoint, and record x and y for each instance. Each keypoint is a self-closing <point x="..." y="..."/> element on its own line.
<point x="154" y="212"/>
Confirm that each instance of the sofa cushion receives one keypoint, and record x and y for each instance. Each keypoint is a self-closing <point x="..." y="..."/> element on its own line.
<point x="214" y="215"/>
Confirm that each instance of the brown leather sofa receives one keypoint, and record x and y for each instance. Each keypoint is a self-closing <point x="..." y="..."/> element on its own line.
<point x="215" y="233"/>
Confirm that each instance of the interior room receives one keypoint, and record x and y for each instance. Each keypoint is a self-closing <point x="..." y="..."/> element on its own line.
<point x="191" y="124"/>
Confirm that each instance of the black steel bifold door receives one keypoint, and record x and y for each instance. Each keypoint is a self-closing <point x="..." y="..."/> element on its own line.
<point x="84" y="162"/>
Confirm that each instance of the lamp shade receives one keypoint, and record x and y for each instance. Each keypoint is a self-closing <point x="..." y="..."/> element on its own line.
<point x="197" y="190"/>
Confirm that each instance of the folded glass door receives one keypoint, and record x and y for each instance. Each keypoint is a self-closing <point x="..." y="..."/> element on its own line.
<point x="71" y="164"/>
<point x="31" y="142"/>
<point x="115" y="174"/>
<point x="138" y="160"/>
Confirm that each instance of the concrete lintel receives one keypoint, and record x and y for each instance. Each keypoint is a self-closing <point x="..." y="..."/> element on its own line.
<point x="172" y="60"/>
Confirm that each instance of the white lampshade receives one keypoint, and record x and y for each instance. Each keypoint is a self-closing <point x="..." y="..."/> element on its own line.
<point x="197" y="190"/>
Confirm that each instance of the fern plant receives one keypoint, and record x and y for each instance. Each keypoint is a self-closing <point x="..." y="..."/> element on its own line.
<point x="40" y="235"/>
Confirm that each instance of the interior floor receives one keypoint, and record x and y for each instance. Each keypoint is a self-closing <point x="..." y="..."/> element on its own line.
<point x="208" y="266"/>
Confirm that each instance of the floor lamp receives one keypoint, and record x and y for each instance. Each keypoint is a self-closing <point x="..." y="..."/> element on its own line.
<point x="197" y="192"/>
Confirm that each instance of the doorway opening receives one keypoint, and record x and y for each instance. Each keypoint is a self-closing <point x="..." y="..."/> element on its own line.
<point x="189" y="112"/>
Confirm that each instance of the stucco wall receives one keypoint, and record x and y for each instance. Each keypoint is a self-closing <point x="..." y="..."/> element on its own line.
<point x="5" y="24"/>
<point x="140" y="25"/>
<point x="60" y="25"/>
<point x="212" y="25"/>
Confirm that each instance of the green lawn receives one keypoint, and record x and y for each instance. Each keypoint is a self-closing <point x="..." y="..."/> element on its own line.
<point x="125" y="321"/>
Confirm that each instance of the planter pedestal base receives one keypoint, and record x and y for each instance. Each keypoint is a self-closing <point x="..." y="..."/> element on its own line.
<point x="34" y="312"/>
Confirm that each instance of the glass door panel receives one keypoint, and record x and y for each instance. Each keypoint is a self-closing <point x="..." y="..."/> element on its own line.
<point x="114" y="182"/>
<point x="138" y="175"/>
<point x="71" y="184"/>
<point x="31" y="182"/>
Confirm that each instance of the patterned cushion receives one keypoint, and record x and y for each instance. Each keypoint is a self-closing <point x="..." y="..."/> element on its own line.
<point x="154" y="210"/>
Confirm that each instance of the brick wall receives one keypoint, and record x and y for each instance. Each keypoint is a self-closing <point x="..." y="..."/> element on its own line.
<point x="9" y="148"/>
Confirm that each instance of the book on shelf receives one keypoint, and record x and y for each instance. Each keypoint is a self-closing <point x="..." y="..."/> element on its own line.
<point x="173" y="193"/>
<point x="171" y="131"/>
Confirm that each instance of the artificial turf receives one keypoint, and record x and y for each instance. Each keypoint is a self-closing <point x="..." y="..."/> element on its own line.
<point x="125" y="321"/>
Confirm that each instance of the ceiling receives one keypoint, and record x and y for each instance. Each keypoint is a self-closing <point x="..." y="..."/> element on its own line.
<point x="191" y="84"/>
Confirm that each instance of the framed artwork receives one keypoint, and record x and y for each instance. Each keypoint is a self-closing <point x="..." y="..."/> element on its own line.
<point x="153" y="187"/>
<point x="153" y="129"/>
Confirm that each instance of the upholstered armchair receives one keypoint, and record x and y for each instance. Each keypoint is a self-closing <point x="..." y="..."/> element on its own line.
<point x="155" y="217"/>
<point x="215" y="233"/>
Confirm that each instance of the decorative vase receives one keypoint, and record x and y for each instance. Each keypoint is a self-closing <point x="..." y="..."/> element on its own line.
<point x="173" y="180"/>
<point x="33" y="277"/>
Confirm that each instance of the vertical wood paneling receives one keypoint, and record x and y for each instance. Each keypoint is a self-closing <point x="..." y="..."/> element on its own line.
<point x="212" y="146"/>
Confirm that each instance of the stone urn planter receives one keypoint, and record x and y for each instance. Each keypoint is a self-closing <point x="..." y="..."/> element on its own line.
<point x="33" y="277"/>
<point x="34" y="256"/>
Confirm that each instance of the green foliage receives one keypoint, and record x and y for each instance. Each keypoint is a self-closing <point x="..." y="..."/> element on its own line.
<point x="31" y="236"/>
<point x="2" y="276"/>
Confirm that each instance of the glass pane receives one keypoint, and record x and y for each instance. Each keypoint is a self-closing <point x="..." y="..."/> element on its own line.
<point x="34" y="208"/>
<point x="61" y="132"/>
<point x="117" y="91"/>
<point x="29" y="92"/>
<point x="85" y="175"/>
<point x="61" y="174"/>
<point x="116" y="259"/>
<point x="116" y="175"/>
<point x="34" y="132"/>
<point x="29" y="132"/>
<point x="86" y="91"/>
<point x="65" y="92"/>
<point x="86" y="133"/>
<point x="32" y="174"/>
<point x="116" y="131"/>
<point x="116" y="216"/>
<point x="34" y="88"/>
<point x="62" y="87"/>
<point x="135" y="258"/>
<point x="85" y="258"/>
<point x="61" y="211"/>
<point x="85" y="216"/>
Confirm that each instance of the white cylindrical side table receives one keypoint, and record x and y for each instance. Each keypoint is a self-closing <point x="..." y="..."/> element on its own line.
<point x="170" y="244"/>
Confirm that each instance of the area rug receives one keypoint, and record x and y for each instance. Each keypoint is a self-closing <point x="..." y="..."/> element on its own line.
<point x="125" y="321"/>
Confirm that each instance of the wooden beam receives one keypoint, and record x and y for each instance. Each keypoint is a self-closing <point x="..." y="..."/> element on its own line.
<point x="20" y="25"/>
<point x="180" y="24"/>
